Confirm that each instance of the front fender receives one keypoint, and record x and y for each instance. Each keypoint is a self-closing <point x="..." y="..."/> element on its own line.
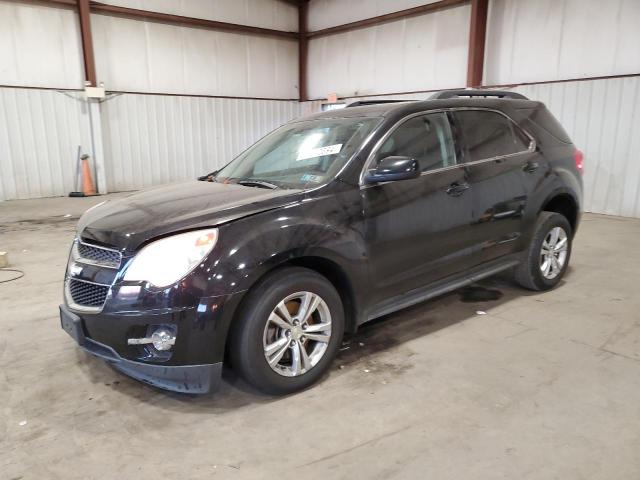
<point x="257" y="249"/>
<point x="326" y="226"/>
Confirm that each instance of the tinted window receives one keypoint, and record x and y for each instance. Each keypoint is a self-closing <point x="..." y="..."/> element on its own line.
<point x="426" y="138"/>
<point x="489" y="134"/>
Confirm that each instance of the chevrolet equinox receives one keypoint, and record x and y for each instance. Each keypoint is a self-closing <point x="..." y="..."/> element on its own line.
<point x="322" y="225"/>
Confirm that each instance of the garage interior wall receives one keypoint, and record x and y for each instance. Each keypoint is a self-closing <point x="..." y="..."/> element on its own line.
<point x="39" y="129"/>
<point x="532" y="47"/>
<point x="163" y="118"/>
<point x="399" y="56"/>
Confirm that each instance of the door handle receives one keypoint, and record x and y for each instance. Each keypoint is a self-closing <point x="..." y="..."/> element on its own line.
<point x="530" y="167"/>
<point x="456" y="189"/>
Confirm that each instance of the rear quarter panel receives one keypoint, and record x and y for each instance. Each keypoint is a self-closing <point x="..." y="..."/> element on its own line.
<point x="561" y="176"/>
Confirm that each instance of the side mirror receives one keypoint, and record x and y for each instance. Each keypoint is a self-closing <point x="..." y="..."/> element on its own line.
<point x="393" y="168"/>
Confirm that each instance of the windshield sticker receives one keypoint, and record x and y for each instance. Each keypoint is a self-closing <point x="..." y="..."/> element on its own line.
<point x="308" y="177"/>
<point x="319" y="152"/>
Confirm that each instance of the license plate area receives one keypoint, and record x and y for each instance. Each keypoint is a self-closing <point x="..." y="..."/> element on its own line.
<point x="72" y="324"/>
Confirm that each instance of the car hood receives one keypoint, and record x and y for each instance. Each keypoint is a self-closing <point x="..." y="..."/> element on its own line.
<point x="128" y="222"/>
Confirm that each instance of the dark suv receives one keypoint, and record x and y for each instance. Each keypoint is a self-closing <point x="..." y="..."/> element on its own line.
<point x="327" y="222"/>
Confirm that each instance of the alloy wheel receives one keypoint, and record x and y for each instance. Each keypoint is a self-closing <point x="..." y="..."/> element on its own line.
<point x="553" y="254"/>
<point x="297" y="334"/>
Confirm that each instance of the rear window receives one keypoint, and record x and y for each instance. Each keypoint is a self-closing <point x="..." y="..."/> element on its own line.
<point x="489" y="134"/>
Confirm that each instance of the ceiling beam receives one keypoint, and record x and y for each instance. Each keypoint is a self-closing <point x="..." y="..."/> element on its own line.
<point x="98" y="7"/>
<point x="477" y="40"/>
<point x="389" y="17"/>
<point x="191" y="21"/>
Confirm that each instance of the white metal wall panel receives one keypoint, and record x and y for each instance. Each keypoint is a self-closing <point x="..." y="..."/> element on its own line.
<point x="140" y="56"/>
<point x="603" y="120"/>
<point x="417" y="53"/>
<point x="543" y="40"/>
<point x="40" y="131"/>
<point x="39" y="46"/>
<point x="156" y="139"/>
<point x="329" y="13"/>
<point x="275" y="14"/>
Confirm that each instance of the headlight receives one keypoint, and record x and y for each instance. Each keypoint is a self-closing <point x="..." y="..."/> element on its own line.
<point x="166" y="261"/>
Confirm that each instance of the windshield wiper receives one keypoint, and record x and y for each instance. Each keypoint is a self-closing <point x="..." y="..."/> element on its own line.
<point x="257" y="183"/>
<point x="209" y="177"/>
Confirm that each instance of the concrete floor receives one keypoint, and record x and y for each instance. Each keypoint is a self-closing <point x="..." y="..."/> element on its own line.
<point x="542" y="386"/>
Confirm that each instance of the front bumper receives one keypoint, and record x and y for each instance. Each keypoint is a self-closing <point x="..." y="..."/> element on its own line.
<point x="178" y="378"/>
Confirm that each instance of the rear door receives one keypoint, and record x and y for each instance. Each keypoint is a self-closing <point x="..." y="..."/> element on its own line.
<point x="504" y="169"/>
<point x="417" y="230"/>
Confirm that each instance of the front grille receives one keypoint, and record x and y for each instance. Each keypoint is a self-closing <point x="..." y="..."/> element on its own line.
<point x="87" y="294"/>
<point x="101" y="256"/>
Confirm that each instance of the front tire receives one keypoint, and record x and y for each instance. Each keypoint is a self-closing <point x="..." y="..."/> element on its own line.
<point x="288" y="331"/>
<point x="547" y="258"/>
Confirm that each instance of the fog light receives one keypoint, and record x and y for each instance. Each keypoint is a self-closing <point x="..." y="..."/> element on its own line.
<point x="163" y="339"/>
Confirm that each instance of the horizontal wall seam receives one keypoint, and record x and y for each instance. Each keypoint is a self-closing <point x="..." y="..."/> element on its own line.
<point x="121" y="92"/>
<point x="505" y="85"/>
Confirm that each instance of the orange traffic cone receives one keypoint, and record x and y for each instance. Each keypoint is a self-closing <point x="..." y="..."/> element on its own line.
<point x="87" y="182"/>
<point x="88" y="189"/>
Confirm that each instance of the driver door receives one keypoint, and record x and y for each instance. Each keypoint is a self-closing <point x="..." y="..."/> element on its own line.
<point x="417" y="230"/>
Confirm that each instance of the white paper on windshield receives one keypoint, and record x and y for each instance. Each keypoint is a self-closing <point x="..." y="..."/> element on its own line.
<point x="319" y="152"/>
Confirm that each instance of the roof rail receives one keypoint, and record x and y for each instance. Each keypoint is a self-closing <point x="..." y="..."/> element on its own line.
<point x="476" y="93"/>
<point x="363" y="103"/>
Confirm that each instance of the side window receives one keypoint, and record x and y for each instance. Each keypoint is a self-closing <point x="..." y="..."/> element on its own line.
<point x="489" y="134"/>
<point x="427" y="139"/>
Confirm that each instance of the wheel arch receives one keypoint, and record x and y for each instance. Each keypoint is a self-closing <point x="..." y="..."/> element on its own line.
<point x="336" y="275"/>
<point x="322" y="265"/>
<point x="564" y="203"/>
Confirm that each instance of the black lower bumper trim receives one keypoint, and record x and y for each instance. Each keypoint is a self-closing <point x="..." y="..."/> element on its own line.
<point x="177" y="378"/>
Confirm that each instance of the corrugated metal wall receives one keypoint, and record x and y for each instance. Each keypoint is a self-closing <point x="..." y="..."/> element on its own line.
<point x="329" y="13"/>
<point x="148" y="139"/>
<point x="133" y="55"/>
<point x="40" y="131"/>
<point x="151" y="139"/>
<point x="603" y="119"/>
<point x="543" y="40"/>
<point x="427" y="51"/>
<point x="155" y="139"/>
<point x="39" y="46"/>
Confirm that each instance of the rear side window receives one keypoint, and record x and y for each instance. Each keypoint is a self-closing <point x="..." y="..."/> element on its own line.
<point x="426" y="138"/>
<point x="489" y="134"/>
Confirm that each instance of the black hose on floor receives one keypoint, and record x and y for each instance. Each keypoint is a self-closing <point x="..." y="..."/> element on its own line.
<point x="19" y="272"/>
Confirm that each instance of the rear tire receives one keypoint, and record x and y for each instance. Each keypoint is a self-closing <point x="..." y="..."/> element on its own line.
<point x="277" y="345"/>
<point x="547" y="258"/>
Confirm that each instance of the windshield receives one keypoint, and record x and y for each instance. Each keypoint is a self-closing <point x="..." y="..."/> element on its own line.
<point x="299" y="155"/>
